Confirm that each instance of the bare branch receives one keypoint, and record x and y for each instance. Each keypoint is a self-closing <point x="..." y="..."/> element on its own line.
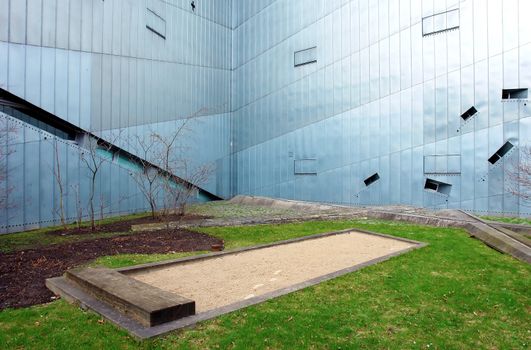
<point x="93" y="161"/>
<point x="519" y="176"/>
<point x="8" y="133"/>
<point x="60" y="210"/>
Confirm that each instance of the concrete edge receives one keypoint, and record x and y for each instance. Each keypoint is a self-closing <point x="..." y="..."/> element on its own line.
<point x="166" y="263"/>
<point x="191" y="321"/>
<point x="76" y="296"/>
<point x="60" y="286"/>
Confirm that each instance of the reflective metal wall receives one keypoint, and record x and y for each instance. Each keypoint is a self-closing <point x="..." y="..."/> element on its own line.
<point x="382" y="98"/>
<point x="96" y="64"/>
<point x="385" y="95"/>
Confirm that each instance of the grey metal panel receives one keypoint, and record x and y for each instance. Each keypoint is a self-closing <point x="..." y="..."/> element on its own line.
<point x="74" y="30"/>
<point x="405" y="56"/>
<point x="61" y="84"/>
<point x="510" y="24"/>
<point x="85" y="100"/>
<point x="4" y="54"/>
<point x="17" y="21"/>
<point x="394" y="52"/>
<point x="34" y="18"/>
<point x="48" y="80"/>
<point x="4" y="20"/>
<point x="62" y="24"/>
<point x="86" y="25"/>
<point x="74" y="77"/>
<point x="495" y="86"/>
<point x="107" y="25"/>
<point x="33" y="74"/>
<point x="480" y="30"/>
<point x="16" y="69"/>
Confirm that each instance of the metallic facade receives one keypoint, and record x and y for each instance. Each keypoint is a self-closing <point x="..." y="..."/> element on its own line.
<point x="385" y="96"/>
<point x="96" y="65"/>
<point x="293" y="98"/>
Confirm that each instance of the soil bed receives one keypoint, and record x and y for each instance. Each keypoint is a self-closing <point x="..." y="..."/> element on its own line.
<point x="22" y="273"/>
<point x="125" y="225"/>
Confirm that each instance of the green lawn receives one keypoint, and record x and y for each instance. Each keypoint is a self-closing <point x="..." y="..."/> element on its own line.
<point x="228" y="210"/>
<point x="520" y="221"/>
<point x="454" y="294"/>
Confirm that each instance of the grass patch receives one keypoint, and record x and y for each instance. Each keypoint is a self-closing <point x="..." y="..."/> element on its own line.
<point x="124" y="260"/>
<point x="454" y="294"/>
<point x="228" y="210"/>
<point x="519" y="221"/>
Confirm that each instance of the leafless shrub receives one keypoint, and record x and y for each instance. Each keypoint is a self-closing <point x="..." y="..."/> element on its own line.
<point x="60" y="209"/>
<point x="519" y="176"/>
<point x="79" y="206"/>
<point x="8" y="132"/>
<point x="94" y="160"/>
<point x="148" y="178"/>
<point x="166" y="169"/>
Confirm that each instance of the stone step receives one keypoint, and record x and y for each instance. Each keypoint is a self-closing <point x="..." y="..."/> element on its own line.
<point x="500" y="241"/>
<point x="148" y="305"/>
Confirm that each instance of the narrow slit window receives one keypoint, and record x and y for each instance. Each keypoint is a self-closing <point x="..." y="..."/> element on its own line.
<point x="438" y="186"/>
<point x="304" y="57"/>
<point x="515" y="94"/>
<point x="155" y="23"/>
<point x="440" y="22"/>
<point x="305" y="167"/>
<point x="469" y="114"/>
<point x="501" y="152"/>
<point x="371" y="179"/>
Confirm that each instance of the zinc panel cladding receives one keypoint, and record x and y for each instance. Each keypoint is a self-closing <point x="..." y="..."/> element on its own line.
<point x="96" y="65"/>
<point x="380" y="97"/>
<point x="421" y="84"/>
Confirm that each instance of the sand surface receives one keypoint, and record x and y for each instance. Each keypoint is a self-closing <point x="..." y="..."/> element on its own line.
<point x="228" y="279"/>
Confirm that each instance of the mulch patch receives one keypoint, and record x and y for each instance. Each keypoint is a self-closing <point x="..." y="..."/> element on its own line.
<point x="22" y="273"/>
<point x="125" y="225"/>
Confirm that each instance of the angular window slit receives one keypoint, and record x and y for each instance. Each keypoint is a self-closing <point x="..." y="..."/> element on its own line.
<point x="440" y="22"/>
<point x="155" y="23"/>
<point x="501" y="152"/>
<point x="515" y="94"/>
<point x="371" y="179"/>
<point x="304" y="57"/>
<point x="305" y="167"/>
<point x="438" y="186"/>
<point x="469" y="113"/>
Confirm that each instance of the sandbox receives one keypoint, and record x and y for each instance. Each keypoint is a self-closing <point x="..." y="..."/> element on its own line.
<point x="228" y="279"/>
<point x="153" y="299"/>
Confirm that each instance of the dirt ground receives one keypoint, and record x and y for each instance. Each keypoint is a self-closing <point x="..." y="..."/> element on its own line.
<point x="22" y="273"/>
<point x="232" y="278"/>
<point x="125" y="225"/>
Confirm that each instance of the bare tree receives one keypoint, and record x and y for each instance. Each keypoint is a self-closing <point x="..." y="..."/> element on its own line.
<point x="103" y="204"/>
<point x="519" y="175"/>
<point x="8" y="132"/>
<point x="79" y="207"/>
<point x="60" y="210"/>
<point x="93" y="159"/>
<point x="180" y="179"/>
<point x="167" y="170"/>
<point x="148" y="178"/>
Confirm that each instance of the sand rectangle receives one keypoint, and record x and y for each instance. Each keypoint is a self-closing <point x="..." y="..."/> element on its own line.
<point x="227" y="279"/>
